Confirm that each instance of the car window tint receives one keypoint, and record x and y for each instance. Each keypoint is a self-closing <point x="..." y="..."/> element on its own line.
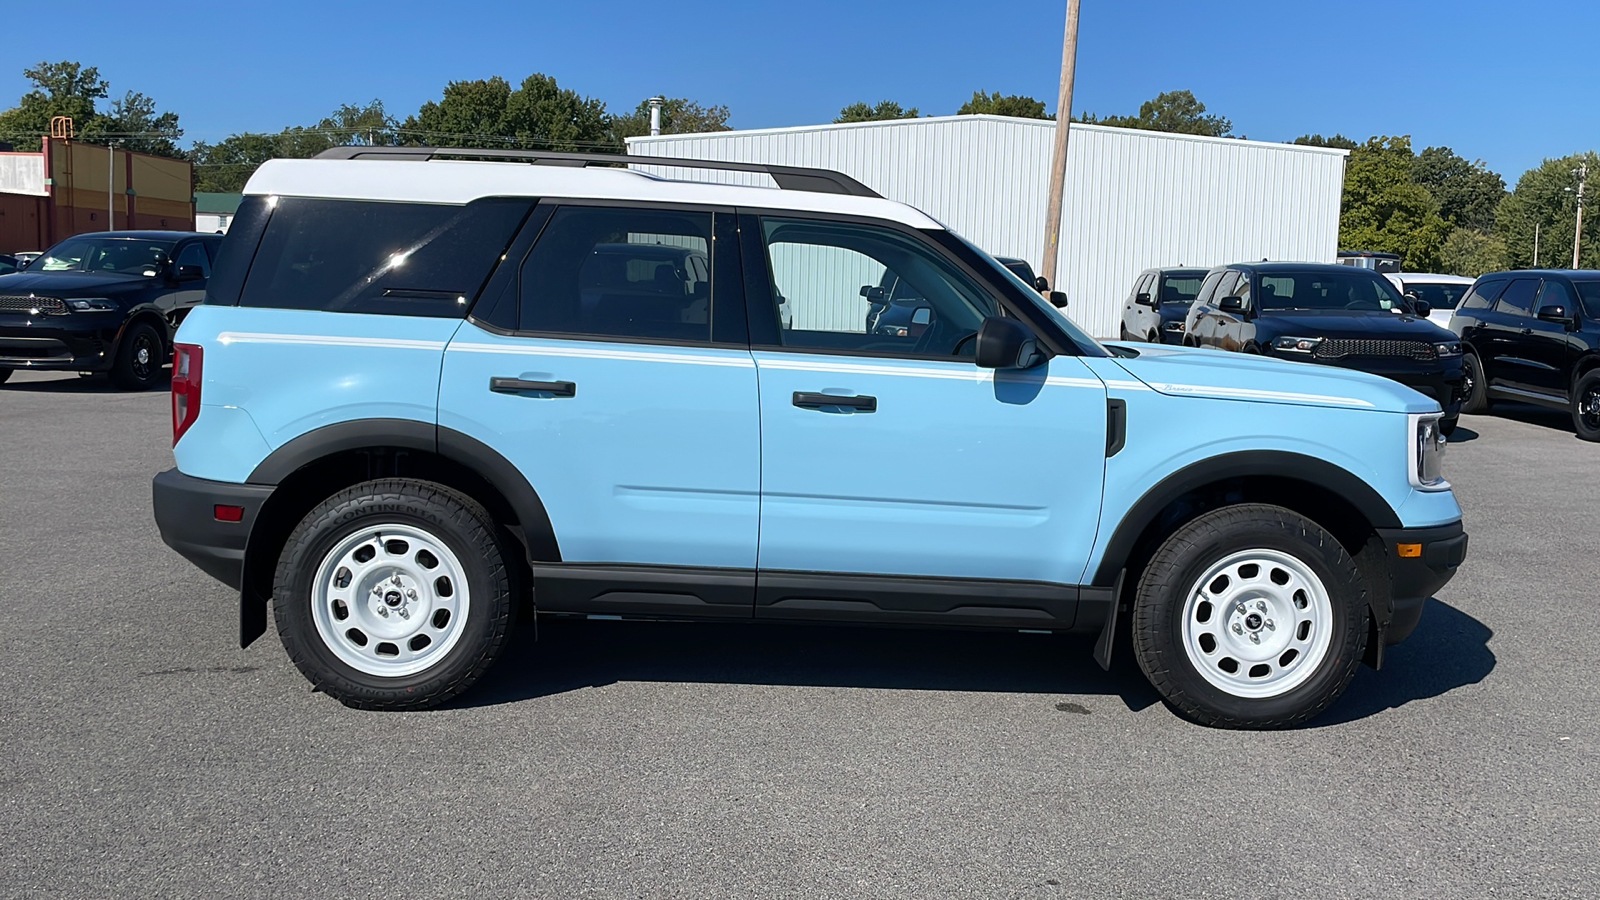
<point x="1225" y="286"/>
<point x="1355" y="289"/>
<point x="1483" y="294"/>
<point x="1589" y="296"/>
<point x="360" y="256"/>
<point x="194" y="255"/>
<point x="1554" y="293"/>
<point x="620" y="273"/>
<point x="1438" y="296"/>
<point x="1180" y="289"/>
<point x="1208" y="287"/>
<point x="1517" y="300"/>
<point x="826" y="272"/>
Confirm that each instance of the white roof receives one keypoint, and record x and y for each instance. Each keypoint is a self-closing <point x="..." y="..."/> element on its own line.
<point x="1425" y="277"/>
<point x="458" y="181"/>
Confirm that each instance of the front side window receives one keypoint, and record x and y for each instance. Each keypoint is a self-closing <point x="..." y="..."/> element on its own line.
<point x="1554" y="293"/>
<point x="361" y="256"/>
<point x="1329" y="290"/>
<point x="194" y="255"/>
<point x="620" y="273"/>
<point x="1208" y="288"/>
<point x="826" y="273"/>
<point x="128" y="256"/>
<point x="1518" y="297"/>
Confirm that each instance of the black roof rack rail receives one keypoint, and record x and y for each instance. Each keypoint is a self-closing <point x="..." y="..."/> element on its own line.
<point x="789" y="178"/>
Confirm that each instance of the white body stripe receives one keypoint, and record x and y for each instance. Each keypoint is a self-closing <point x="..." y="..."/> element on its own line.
<point x="250" y="337"/>
<point x="741" y="362"/>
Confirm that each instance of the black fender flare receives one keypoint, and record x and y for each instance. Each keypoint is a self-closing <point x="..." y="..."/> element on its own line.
<point x="1245" y="463"/>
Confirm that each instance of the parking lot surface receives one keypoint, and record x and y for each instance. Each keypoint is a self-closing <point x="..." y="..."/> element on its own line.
<point x="143" y="754"/>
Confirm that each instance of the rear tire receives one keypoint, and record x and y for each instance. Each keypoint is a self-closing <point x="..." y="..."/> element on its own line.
<point x="4" y="374"/>
<point x="1586" y="406"/>
<point x="141" y="355"/>
<point x="1250" y="616"/>
<point x="1474" y="389"/>
<point x="394" y="594"/>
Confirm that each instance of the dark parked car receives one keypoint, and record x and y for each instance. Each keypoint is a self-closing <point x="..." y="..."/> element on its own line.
<point x="1329" y="314"/>
<point x="1534" y="336"/>
<point x="104" y="302"/>
<point x="8" y="264"/>
<point x="1159" y="303"/>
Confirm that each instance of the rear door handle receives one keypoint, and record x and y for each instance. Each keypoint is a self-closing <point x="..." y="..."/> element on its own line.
<point x="518" y="386"/>
<point x="808" y="400"/>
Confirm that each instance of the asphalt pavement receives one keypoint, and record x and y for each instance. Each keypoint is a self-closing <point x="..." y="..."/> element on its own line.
<point x="143" y="754"/>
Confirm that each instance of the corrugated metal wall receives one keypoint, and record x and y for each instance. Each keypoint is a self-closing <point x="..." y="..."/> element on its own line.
<point x="1134" y="199"/>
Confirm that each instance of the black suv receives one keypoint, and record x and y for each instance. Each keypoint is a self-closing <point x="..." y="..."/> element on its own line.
<point x="104" y="302"/>
<point x="1330" y="314"/>
<point x="1159" y="303"/>
<point x="1534" y="336"/>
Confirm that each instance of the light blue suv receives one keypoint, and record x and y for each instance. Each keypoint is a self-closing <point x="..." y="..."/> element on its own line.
<point x="433" y="392"/>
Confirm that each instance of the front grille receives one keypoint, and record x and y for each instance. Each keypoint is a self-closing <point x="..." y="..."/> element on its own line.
<point x="1343" y="348"/>
<point x="49" y="306"/>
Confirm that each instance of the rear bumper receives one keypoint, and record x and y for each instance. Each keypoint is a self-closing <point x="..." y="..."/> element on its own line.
<point x="185" y="510"/>
<point x="1414" y="579"/>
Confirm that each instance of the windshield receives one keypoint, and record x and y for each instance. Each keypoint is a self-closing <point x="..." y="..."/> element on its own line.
<point x="1078" y="335"/>
<point x="130" y="256"/>
<point x="1353" y="290"/>
<point x="1180" y="290"/>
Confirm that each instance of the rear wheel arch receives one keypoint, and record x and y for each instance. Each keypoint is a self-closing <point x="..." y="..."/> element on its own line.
<point x="316" y="465"/>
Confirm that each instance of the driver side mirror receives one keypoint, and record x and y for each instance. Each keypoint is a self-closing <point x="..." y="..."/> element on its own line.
<point x="1554" y="314"/>
<point x="1422" y="307"/>
<point x="873" y="293"/>
<point x="1231" y="304"/>
<point x="190" y="273"/>
<point x="1143" y="299"/>
<point x="1007" y="344"/>
<point x="1058" y="299"/>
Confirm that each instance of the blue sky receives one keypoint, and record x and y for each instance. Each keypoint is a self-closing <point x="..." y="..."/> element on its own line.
<point x="1494" y="81"/>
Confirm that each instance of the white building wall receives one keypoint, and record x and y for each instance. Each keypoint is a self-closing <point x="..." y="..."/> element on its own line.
<point x="210" y="223"/>
<point x="22" y="173"/>
<point x="1133" y="199"/>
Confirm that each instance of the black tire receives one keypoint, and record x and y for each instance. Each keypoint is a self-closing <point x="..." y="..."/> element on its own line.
<point x="4" y="375"/>
<point x="462" y="526"/>
<point x="1585" y="405"/>
<point x="1447" y="425"/>
<point x="1183" y="559"/>
<point x="1153" y="338"/>
<point x="141" y="354"/>
<point x="1474" y="388"/>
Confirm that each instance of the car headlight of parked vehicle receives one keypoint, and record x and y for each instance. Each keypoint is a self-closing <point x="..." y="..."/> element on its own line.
<point x="1447" y="349"/>
<point x="91" y="304"/>
<point x="1296" y="344"/>
<point x="1427" y="445"/>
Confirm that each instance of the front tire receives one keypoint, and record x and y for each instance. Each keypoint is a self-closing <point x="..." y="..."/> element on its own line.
<point x="4" y="375"/>
<point x="140" y="357"/>
<point x="394" y="594"/>
<point x="1586" y="406"/>
<point x="1250" y="616"/>
<point x="1474" y="389"/>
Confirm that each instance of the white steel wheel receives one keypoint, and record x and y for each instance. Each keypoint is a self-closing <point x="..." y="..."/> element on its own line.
<point x="390" y="600"/>
<point x="1257" y="623"/>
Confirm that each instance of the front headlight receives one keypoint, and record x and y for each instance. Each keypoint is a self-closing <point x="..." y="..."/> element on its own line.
<point x="1447" y="349"/>
<point x="91" y="304"/>
<point x="1295" y="344"/>
<point x="1426" y="453"/>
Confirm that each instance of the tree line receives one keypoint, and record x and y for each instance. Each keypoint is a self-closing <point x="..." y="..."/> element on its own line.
<point x="1436" y="209"/>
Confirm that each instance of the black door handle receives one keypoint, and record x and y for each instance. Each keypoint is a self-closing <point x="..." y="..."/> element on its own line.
<point x="807" y="400"/>
<point x="518" y="386"/>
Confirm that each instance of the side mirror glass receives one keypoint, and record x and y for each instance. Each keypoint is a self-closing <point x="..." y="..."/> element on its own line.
<point x="1422" y="307"/>
<point x="1007" y="344"/>
<point x="190" y="273"/>
<point x="1143" y="299"/>
<point x="1554" y="314"/>
<point x="1058" y="299"/>
<point x="1231" y="304"/>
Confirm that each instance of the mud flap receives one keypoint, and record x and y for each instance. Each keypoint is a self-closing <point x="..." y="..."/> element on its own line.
<point x="1108" y="631"/>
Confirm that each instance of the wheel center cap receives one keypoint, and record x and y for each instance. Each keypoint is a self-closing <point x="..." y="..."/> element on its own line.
<point x="1253" y="622"/>
<point x="392" y="599"/>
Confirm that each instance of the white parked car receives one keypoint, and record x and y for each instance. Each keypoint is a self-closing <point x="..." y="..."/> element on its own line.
<point x="1440" y="292"/>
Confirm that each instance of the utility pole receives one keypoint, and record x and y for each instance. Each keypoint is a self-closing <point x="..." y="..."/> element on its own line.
<point x="1058" y="162"/>
<point x="1577" y="232"/>
<point x="111" y="183"/>
<point x="1536" y="245"/>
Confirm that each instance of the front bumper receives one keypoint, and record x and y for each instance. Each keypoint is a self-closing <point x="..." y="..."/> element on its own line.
<point x="76" y="342"/>
<point x="185" y="509"/>
<point x="1439" y="551"/>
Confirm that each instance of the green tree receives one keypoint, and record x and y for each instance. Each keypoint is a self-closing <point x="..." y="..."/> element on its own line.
<point x="1337" y="141"/>
<point x="71" y="89"/>
<point x="470" y="114"/>
<point x="1546" y="197"/>
<point x="1468" y="192"/>
<point x="537" y="115"/>
<point x="884" y="111"/>
<point x="226" y="165"/>
<point x="1384" y="209"/>
<point x="1177" y="112"/>
<point x="996" y="104"/>
<point x="679" y="115"/>
<point x="1470" y="252"/>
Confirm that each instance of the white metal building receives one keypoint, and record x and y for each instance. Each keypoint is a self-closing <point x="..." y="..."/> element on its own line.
<point x="1133" y="199"/>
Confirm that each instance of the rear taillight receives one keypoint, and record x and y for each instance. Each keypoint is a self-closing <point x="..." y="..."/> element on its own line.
<point x="186" y="364"/>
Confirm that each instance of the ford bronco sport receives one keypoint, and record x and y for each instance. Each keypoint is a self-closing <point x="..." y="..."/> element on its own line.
<point x="432" y="391"/>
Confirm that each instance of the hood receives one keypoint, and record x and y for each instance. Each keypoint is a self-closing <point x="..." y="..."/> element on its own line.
<point x="1190" y="372"/>
<point x="71" y="284"/>
<point x="1348" y="324"/>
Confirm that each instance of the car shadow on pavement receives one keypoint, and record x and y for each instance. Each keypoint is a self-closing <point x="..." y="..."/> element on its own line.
<point x="1462" y="435"/>
<point x="94" y="384"/>
<point x="1449" y="650"/>
<point x="1542" y="416"/>
<point x="571" y="654"/>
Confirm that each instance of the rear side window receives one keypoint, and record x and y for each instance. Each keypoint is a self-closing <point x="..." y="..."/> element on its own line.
<point x="359" y="256"/>
<point x="621" y="273"/>
<point x="1483" y="295"/>
<point x="1518" y="298"/>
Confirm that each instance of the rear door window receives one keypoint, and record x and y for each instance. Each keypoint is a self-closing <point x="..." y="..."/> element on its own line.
<point x="1518" y="297"/>
<point x="360" y="256"/>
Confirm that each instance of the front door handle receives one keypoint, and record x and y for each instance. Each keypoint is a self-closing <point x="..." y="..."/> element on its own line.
<point x="518" y="386"/>
<point x="808" y="400"/>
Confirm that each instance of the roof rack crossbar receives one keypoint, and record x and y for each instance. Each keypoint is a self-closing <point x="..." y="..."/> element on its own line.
<point x="789" y="178"/>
